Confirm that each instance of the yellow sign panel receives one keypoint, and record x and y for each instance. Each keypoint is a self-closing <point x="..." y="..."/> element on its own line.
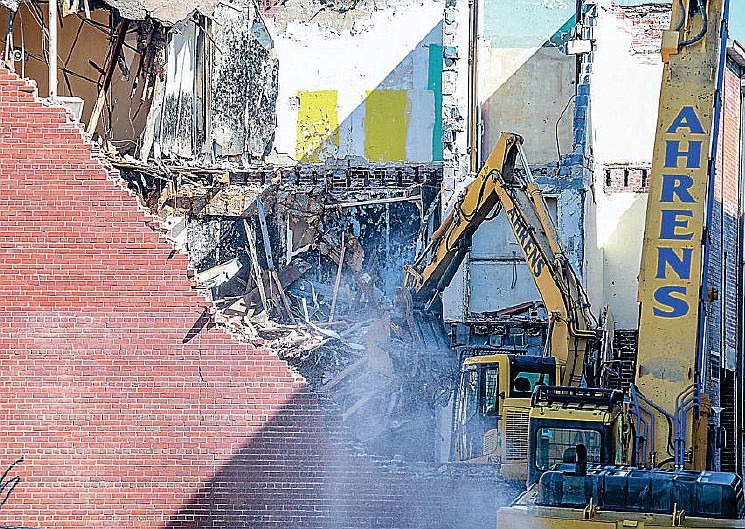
<point x="386" y="125"/>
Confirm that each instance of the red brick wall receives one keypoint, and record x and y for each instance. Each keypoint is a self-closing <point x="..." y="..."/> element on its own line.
<point x="121" y="423"/>
<point x="724" y="236"/>
<point x="724" y="232"/>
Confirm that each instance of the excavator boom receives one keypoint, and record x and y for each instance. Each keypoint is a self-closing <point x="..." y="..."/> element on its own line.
<point x="500" y="187"/>
<point x="670" y="358"/>
<point x="664" y="440"/>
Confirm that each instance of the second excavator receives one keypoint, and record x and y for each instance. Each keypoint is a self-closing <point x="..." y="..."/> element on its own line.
<point x="493" y="400"/>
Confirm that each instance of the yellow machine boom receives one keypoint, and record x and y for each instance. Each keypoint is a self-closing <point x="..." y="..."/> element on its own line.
<point x="572" y="327"/>
<point x="670" y="353"/>
<point x="668" y="407"/>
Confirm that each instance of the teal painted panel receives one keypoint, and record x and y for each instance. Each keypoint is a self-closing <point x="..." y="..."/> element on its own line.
<point x="524" y="23"/>
<point x="737" y="20"/>
<point x="434" y="83"/>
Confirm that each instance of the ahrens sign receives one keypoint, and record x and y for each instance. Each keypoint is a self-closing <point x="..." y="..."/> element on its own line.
<point x="680" y="204"/>
<point x="672" y="253"/>
<point x="527" y="242"/>
<point x="672" y="353"/>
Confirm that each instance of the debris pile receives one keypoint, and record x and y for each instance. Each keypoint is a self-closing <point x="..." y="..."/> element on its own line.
<point x="311" y="274"/>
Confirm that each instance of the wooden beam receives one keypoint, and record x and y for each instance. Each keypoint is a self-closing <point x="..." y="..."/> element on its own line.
<point x="111" y="61"/>
<point x="338" y="277"/>
<point x="255" y="267"/>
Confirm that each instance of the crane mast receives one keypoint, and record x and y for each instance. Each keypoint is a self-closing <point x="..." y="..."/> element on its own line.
<point x="672" y="403"/>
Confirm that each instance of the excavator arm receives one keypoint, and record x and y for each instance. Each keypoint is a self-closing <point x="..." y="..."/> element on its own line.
<point x="500" y="187"/>
<point x="672" y="356"/>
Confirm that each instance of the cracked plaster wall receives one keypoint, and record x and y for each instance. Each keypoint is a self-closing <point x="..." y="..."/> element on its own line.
<point x="220" y="88"/>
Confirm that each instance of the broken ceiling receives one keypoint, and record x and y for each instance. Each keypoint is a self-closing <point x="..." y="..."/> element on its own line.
<point x="166" y="11"/>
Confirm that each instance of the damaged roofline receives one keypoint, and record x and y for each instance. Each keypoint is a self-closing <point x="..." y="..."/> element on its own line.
<point x="168" y="13"/>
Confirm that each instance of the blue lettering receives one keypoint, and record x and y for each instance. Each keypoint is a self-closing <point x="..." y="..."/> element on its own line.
<point x="680" y="265"/>
<point x="538" y="268"/>
<point x="528" y="248"/>
<point x="676" y="185"/>
<point x="524" y="236"/>
<point x="522" y="232"/>
<point x="692" y="155"/>
<point x="667" y="297"/>
<point x="533" y="256"/>
<point x="670" y="223"/>
<point x="686" y="118"/>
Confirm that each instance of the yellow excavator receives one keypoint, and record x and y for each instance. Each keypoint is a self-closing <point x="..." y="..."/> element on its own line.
<point x="599" y="459"/>
<point x="493" y="400"/>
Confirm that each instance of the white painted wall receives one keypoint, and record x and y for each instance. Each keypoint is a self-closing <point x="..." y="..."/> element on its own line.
<point x="624" y="87"/>
<point x="493" y="276"/>
<point x="362" y="50"/>
<point x="523" y="87"/>
<point x="528" y="91"/>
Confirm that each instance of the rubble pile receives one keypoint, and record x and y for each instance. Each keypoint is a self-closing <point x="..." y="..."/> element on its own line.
<point x="311" y="274"/>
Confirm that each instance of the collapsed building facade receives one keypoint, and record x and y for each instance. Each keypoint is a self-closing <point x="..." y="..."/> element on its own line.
<point x="297" y="177"/>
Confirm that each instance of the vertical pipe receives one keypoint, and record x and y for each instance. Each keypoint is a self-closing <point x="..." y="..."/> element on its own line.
<point x="702" y="349"/>
<point x="740" y="372"/>
<point x="724" y="254"/>
<point x="473" y="103"/>
<point x="52" y="49"/>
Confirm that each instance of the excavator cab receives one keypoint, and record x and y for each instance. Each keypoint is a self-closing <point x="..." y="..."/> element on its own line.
<point x="564" y="418"/>
<point x="491" y="411"/>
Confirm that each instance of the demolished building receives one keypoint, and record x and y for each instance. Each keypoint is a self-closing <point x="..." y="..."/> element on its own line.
<point x="300" y="242"/>
<point x="299" y="176"/>
<point x="133" y="408"/>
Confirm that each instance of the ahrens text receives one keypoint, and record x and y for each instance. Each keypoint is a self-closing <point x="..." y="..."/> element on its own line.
<point x="527" y="242"/>
<point x="679" y="211"/>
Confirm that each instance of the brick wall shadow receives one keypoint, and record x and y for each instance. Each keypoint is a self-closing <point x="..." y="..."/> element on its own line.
<point x="298" y="472"/>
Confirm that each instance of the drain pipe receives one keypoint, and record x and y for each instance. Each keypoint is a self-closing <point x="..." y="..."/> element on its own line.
<point x="473" y="102"/>
<point x="52" y="49"/>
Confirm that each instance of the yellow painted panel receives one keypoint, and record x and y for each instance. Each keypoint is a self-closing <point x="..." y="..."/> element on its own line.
<point x="317" y="125"/>
<point x="386" y="125"/>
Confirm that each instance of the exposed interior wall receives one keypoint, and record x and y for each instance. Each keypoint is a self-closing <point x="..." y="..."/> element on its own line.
<point x="624" y="89"/>
<point x="225" y="82"/>
<point x="130" y="407"/>
<point x="526" y="84"/>
<point x="526" y="81"/>
<point x="217" y="102"/>
<point x="83" y="45"/>
<point x="528" y="91"/>
<point x="331" y="104"/>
